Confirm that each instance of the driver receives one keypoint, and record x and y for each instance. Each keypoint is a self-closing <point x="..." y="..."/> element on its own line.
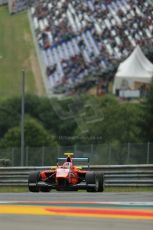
<point x="67" y="164"/>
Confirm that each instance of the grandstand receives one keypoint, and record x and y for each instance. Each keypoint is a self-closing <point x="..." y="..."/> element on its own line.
<point x="79" y="40"/>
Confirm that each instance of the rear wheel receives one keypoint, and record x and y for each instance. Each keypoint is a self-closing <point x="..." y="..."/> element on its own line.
<point x="33" y="181"/>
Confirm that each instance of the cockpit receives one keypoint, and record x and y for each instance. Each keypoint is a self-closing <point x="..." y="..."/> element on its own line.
<point x="67" y="165"/>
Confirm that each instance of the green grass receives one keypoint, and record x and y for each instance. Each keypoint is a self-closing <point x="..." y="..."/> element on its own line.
<point x="16" y="49"/>
<point x="13" y="189"/>
<point x="129" y="189"/>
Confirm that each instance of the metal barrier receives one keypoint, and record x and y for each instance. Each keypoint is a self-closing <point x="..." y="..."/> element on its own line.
<point x="114" y="175"/>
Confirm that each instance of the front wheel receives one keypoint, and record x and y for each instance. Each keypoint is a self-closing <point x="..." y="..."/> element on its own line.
<point x="95" y="182"/>
<point x="90" y="181"/>
<point x="99" y="181"/>
<point x="45" y="189"/>
<point x="33" y="181"/>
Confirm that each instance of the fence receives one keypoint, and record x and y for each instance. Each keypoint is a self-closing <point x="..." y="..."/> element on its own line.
<point x="103" y="154"/>
<point x="114" y="176"/>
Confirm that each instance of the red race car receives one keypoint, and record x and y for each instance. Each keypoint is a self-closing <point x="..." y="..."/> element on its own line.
<point x="66" y="178"/>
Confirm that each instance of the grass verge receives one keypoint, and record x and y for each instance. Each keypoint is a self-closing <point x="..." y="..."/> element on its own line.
<point x="16" y="53"/>
<point x="129" y="189"/>
<point x="13" y="189"/>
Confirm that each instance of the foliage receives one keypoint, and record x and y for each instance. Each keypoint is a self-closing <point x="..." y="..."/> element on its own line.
<point x="41" y="108"/>
<point x="89" y="119"/>
<point x="9" y="114"/>
<point x="53" y="114"/>
<point x="147" y="121"/>
<point x="120" y="123"/>
<point x="35" y="135"/>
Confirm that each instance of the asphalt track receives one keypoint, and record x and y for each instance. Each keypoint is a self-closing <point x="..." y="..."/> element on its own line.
<point x="77" y="210"/>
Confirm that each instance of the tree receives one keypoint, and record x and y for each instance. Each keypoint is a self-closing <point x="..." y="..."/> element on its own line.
<point x="9" y="114"/>
<point x="54" y="114"/>
<point x="35" y="135"/>
<point x="41" y="108"/>
<point x="120" y="123"/>
<point x="104" y="119"/>
<point x="147" y="123"/>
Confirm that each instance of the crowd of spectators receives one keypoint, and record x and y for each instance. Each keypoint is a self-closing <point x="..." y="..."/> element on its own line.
<point x="78" y="38"/>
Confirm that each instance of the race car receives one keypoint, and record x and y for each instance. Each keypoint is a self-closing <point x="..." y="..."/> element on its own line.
<point x="66" y="177"/>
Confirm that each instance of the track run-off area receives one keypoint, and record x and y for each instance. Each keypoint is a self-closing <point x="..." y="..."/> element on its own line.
<point x="124" y="209"/>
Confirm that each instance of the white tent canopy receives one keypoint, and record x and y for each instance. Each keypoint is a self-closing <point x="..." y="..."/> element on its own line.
<point x="136" y="68"/>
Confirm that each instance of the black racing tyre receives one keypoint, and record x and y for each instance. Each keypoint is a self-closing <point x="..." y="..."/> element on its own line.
<point x="99" y="177"/>
<point x="90" y="179"/>
<point x="32" y="181"/>
<point x="45" y="189"/>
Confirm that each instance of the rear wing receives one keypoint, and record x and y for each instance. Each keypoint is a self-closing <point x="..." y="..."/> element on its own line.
<point x="75" y="159"/>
